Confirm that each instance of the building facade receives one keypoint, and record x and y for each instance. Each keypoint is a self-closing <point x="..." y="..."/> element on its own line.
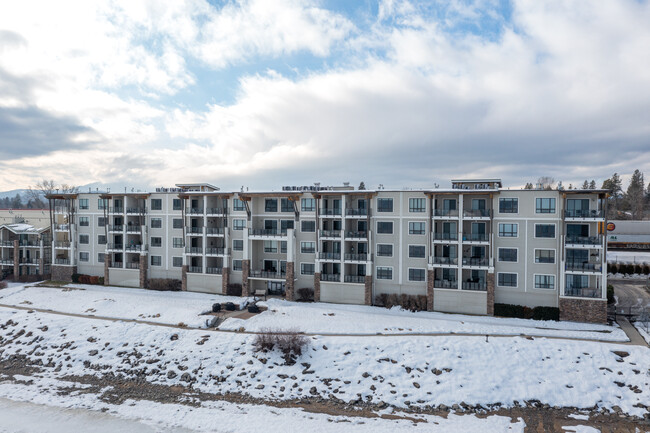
<point x="465" y="248"/>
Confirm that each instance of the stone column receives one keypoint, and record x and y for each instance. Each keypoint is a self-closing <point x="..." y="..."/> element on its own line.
<point x="246" y="267"/>
<point x="41" y="266"/>
<point x="107" y="265"/>
<point x="490" y="294"/>
<point x="368" y="290"/>
<point x="289" y="282"/>
<point x="583" y="310"/>
<point x="16" y="259"/>
<point x="317" y="287"/>
<point x="431" y="275"/>
<point x="184" y="278"/>
<point x="225" y="280"/>
<point x="143" y="271"/>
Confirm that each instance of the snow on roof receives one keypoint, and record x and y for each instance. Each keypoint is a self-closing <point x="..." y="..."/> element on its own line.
<point x="23" y="228"/>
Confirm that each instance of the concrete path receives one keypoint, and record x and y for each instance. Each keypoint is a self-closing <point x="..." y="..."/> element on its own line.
<point x="631" y="332"/>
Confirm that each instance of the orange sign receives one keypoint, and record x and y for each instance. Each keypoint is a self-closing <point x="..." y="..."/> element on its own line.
<point x="611" y="227"/>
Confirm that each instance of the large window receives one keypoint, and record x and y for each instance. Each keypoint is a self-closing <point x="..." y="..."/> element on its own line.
<point x="156" y="204"/>
<point x="238" y="205"/>
<point x="308" y="226"/>
<point x="101" y="257"/>
<point x="417" y="228"/>
<point x="177" y="223"/>
<point x="285" y="225"/>
<point x="156" y="223"/>
<point x="83" y="203"/>
<point x="156" y="241"/>
<point x="545" y="205"/>
<point x="177" y="262"/>
<point x="307" y="268"/>
<point x="270" y="205"/>
<point x="102" y="203"/>
<point x="507" y="280"/>
<point x="385" y="227"/>
<point x="270" y="247"/>
<point x="177" y="242"/>
<point x="544" y="281"/>
<point x="84" y="221"/>
<point x="238" y="244"/>
<point x="101" y="239"/>
<point x="286" y="205"/>
<point x="384" y="273"/>
<point x="238" y="224"/>
<point x="308" y="204"/>
<point x="417" y="205"/>
<point x="507" y="230"/>
<point x="544" y="256"/>
<point x="84" y="239"/>
<point x="84" y="257"/>
<point x="417" y="251"/>
<point x="385" y="250"/>
<point x="307" y="247"/>
<point x="508" y="205"/>
<point x="176" y="204"/>
<point x="507" y="254"/>
<point x="384" y="205"/>
<point x="236" y="265"/>
<point x="417" y="274"/>
<point x="544" y="230"/>
<point x="156" y="261"/>
<point x="101" y="221"/>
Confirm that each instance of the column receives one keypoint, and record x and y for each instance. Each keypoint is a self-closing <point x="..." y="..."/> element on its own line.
<point x="107" y="265"/>
<point x="16" y="258"/>
<point x="143" y="271"/>
<point x="289" y="279"/>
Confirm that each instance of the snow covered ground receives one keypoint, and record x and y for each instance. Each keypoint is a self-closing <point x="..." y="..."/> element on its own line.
<point x="118" y="302"/>
<point x="628" y="257"/>
<point x="409" y="371"/>
<point x="322" y="318"/>
<point x="641" y="327"/>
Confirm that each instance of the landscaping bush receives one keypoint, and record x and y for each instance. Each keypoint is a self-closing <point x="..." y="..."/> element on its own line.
<point x="230" y="306"/>
<point x="253" y="308"/>
<point x="31" y="278"/>
<point x="646" y="269"/>
<point x="94" y="280"/>
<point x="3" y="284"/>
<point x="216" y="308"/>
<point x="305" y="294"/>
<point x="638" y="269"/>
<point x="234" y="289"/>
<point x="610" y="294"/>
<point x="408" y="302"/>
<point x="612" y="268"/>
<point x="84" y="279"/>
<point x="101" y="281"/>
<point x="290" y="343"/>
<point x="164" y="284"/>
<point x="523" y="312"/>
<point x="546" y="313"/>
<point x="75" y="278"/>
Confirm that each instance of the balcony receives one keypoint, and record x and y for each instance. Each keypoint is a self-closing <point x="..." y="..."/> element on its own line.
<point x="28" y="261"/>
<point x="194" y="250"/>
<point x="356" y="212"/>
<point x="582" y="292"/>
<point x="136" y="210"/>
<point x="594" y="241"/>
<point x="195" y="269"/>
<point x="330" y="234"/>
<point x="7" y="262"/>
<point x="7" y="243"/>
<point x="213" y="271"/>
<point x="114" y="247"/>
<point x="116" y="265"/>
<point x="61" y="244"/>
<point x="28" y="244"/>
<point x="64" y="209"/>
<point x="445" y="284"/>
<point x="268" y="274"/>
<point x="134" y="229"/>
<point x="475" y="237"/>
<point x="584" y="214"/>
<point x="357" y="279"/>
<point x="356" y="257"/>
<point x="214" y="211"/>
<point x="132" y="265"/>
<point x="445" y="213"/>
<point x="329" y="256"/>
<point x="449" y="261"/>
<point x="116" y="210"/>
<point x="477" y="213"/>
<point x="266" y="233"/>
<point x="474" y="286"/>
<point x="215" y="251"/>
<point x="583" y="267"/>
<point x="330" y="212"/>
<point x="356" y="235"/>
<point x="61" y="227"/>
<point x="60" y="261"/>
<point x="135" y="248"/>
<point x="214" y="231"/>
<point x="194" y="211"/>
<point x="330" y="277"/>
<point x="116" y="228"/>
<point x="476" y="261"/>
<point x="445" y="237"/>
<point x="194" y="231"/>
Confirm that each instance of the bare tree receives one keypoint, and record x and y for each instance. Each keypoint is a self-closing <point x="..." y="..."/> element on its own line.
<point x="546" y="182"/>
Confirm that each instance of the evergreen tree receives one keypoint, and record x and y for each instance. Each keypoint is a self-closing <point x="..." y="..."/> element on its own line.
<point x="585" y="184"/>
<point x="530" y="186"/>
<point x="635" y="195"/>
<point x="17" y="202"/>
<point x="362" y="186"/>
<point x="592" y="184"/>
<point x="615" y="187"/>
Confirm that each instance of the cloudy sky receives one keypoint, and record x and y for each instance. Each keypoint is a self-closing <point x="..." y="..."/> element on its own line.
<point x="266" y="93"/>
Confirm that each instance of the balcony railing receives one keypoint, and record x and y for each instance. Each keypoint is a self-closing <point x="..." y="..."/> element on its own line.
<point x="7" y="243"/>
<point x="583" y="213"/>
<point x="584" y="240"/>
<point x="353" y="234"/>
<point x="27" y="261"/>
<point x="61" y="261"/>
<point x="195" y="269"/>
<point x="581" y="266"/>
<point x="444" y="260"/>
<point x="356" y="257"/>
<point x="61" y="244"/>
<point x="133" y="229"/>
<point x="267" y="232"/>
<point x="215" y="271"/>
<point x="194" y="230"/>
<point x="334" y="212"/>
<point x="445" y="236"/>
<point x="28" y="244"/>
<point x="330" y="233"/>
<point x="194" y="250"/>
<point x="64" y="209"/>
<point x="215" y="251"/>
<point x="480" y="287"/>
<point x="356" y="212"/>
<point x="62" y="227"/>
<point x="329" y="256"/>
<point x="194" y="210"/>
<point x="136" y="210"/>
<point x="268" y="274"/>
<point x="445" y="212"/>
<point x="6" y="262"/>
<point x="115" y="228"/>
<point x="475" y="261"/>
<point x="132" y="265"/>
<point x="475" y="237"/>
<point x="117" y="209"/>
<point x="445" y="284"/>
<point x="354" y="279"/>
<point x="582" y="292"/>
<point x="216" y="211"/>
<point x="117" y="265"/>
<point x="477" y="213"/>
<point x="330" y="277"/>
<point x="214" y="230"/>
<point x="113" y="246"/>
<point x="134" y="247"/>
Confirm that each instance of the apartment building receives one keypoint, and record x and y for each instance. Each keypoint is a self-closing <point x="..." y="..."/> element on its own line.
<point x="466" y="247"/>
<point x="24" y="249"/>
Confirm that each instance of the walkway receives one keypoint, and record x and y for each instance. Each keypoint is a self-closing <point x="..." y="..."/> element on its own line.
<point x="631" y="332"/>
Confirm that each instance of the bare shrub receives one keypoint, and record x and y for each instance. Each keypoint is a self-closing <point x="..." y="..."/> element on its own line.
<point x="305" y="294"/>
<point x="234" y="289"/>
<point x="164" y="284"/>
<point x="3" y="284"/>
<point x="290" y="343"/>
<point x="408" y="302"/>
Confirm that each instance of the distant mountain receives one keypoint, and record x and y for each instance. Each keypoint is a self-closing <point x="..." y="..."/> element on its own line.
<point x="23" y="193"/>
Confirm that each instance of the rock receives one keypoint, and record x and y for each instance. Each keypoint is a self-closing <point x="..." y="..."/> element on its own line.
<point x="186" y="377"/>
<point x="365" y="375"/>
<point x="417" y="385"/>
<point x="260" y="386"/>
<point x="436" y="372"/>
<point x="174" y="337"/>
<point x="171" y="374"/>
<point x="282" y="376"/>
<point x="621" y="353"/>
<point x="93" y="352"/>
<point x="313" y="390"/>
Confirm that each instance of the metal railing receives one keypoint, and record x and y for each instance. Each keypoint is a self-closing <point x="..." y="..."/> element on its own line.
<point x="132" y="265"/>
<point x="7" y="243"/>
<point x="194" y="230"/>
<point x="194" y="211"/>
<point x="475" y="237"/>
<point x="354" y="279"/>
<point x="330" y="233"/>
<point x="356" y="257"/>
<point x="214" y="230"/>
<point x="445" y="212"/>
<point x="479" y="287"/>
<point x="330" y="277"/>
<point x="115" y="228"/>
<point x="475" y="261"/>
<point x="583" y="213"/>
<point x="64" y="209"/>
<point x="113" y="246"/>
<point x="6" y="262"/>
<point x="215" y="251"/>
<point x="445" y="236"/>
<point x="116" y="210"/>
<point x="325" y="211"/>
<point x="195" y="269"/>
<point x="444" y="260"/>
<point x="445" y="284"/>
<point x="329" y="256"/>
<point x="267" y="232"/>
<point x="62" y="227"/>
<point x="136" y="210"/>
<point x="61" y="244"/>
<point x="133" y="229"/>
<point x="477" y="213"/>
<point x="353" y="234"/>
<point x="584" y="240"/>
<point x="582" y="292"/>
<point x="581" y="266"/>
<point x="134" y="247"/>
<point x="267" y="274"/>
<point x="28" y="244"/>
<point x="215" y="271"/>
<point x="194" y="250"/>
<point x="29" y="261"/>
<point x="216" y="211"/>
<point x="61" y="261"/>
<point x="361" y="212"/>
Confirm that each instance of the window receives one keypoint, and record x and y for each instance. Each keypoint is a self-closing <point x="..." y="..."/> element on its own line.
<point x="177" y="242"/>
<point x="283" y="247"/>
<point x="308" y="226"/>
<point x="385" y="227"/>
<point x="286" y="205"/>
<point x="101" y="257"/>
<point x="236" y="265"/>
<point x="307" y="268"/>
<point x="308" y="204"/>
<point x="417" y="205"/>
<point x="101" y="221"/>
<point x="508" y="205"/>
<point x="238" y="224"/>
<point x="156" y="204"/>
<point x="177" y="262"/>
<point x="156" y="241"/>
<point x="156" y="261"/>
<point x="84" y="257"/>
<point x="84" y="239"/>
<point x="417" y="228"/>
<point x="177" y="223"/>
<point x="270" y="247"/>
<point x="285" y="225"/>
<point x="101" y="239"/>
<point x="102" y="203"/>
<point x="508" y="230"/>
<point x="156" y="223"/>
<point x="384" y="250"/>
<point x="238" y="244"/>
<point x="176" y="204"/>
<point x="544" y="256"/>
<point x="270" y="205"/>
<point x="507" y="280"/>
<point x="545" y="205"/>
<point x="544" y="281"/>
<point x="507" y="254"/>
<point x="83" y="203"/>
<point x="307" y="247"/>
<point x="384" y="273"/>
<point x="84" y="221"/>
<point x="384" y="205"/>
<point x="416" y="274"/>
<point x="544" y="230"/>
<point x="417" y="251"/>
